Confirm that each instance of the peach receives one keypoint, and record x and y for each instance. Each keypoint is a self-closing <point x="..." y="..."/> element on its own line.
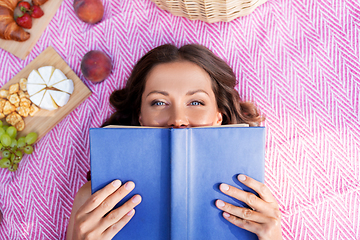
<point x="89" y="11"/>
<point x="96" y="66"/>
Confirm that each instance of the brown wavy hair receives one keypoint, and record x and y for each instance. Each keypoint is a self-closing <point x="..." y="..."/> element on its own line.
<point x="127" y="101"/>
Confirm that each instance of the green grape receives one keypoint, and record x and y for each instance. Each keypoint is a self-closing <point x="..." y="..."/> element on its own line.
<point x="31" y="138"/>
<point x="5" y="127"/>
<point x="1" y="123"/>
<point x="28" y="149"/>
<point x="5" y="140"/>
<point x="2" y="131"/>
<point x="6" y="154"/>
<point x="11" y="131"/>
<point x="4" y="163"/>
<point x="13" y="143"/>
<point x="12" y="157"/>
<point x="18" y="156"/>
<point x="21" y="142"/>
<point x="13" y="168"/>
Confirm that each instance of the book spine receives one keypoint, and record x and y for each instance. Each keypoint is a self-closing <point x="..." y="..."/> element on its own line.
<point x="179" y="183"/>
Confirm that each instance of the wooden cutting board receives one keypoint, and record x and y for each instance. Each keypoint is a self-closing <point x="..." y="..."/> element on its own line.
<point x="22" y="49"/>
<point x="43" y="121"/>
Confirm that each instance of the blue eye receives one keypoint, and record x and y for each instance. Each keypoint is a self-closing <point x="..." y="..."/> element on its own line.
<point x="158" y="103"/>
<point x="196" y="103"/>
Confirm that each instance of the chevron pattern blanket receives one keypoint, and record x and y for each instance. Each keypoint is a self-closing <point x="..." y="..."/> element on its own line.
<point x="299" y="60"/>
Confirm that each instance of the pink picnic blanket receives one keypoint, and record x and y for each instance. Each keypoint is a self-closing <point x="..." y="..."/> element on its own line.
<point x="298" y="60"/>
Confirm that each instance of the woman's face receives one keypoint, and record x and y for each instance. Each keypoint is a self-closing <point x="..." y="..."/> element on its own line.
<point x="178" y="94"/>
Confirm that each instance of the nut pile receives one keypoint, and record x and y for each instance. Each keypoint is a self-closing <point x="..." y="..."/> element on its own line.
<point x="15" y="104"/>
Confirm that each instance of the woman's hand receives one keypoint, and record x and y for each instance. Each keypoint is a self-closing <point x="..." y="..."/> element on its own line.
<point x="90" y="221"/>
<point x="265" y="218"/>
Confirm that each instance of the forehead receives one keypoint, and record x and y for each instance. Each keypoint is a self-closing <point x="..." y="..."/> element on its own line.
<point x="179" y="75"/>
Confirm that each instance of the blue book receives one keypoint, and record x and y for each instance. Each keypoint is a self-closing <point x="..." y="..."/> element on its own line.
<point x="178" y="172"/>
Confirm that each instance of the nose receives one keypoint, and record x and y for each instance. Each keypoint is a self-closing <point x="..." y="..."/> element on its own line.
<point x="178" y="118"/>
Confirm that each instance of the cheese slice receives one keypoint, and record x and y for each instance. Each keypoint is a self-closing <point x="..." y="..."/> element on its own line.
<point x="49" y="88"/>
<point x="56" y="77"/>
<point x="37" y="98"/>
<point x="46" y="72"/>
<point x="34" y="88"/>
<point x="65" y="86"/>
<point x="35" y="78"/>
<point x="47" y="102"/>
<point x="60" y="98"/>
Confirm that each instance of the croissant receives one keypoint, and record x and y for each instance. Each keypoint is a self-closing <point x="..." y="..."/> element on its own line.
<point x="39" y="2"/>
<point x="9" y="30"/>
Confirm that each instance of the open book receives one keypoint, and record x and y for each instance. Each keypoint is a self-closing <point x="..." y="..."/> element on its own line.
<point x="177" y="172"/>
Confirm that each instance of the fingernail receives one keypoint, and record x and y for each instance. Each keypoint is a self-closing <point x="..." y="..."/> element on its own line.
<point x="226" y="215"/>
<point x="241" y="177"/>
<point x="220" y="203"/>
<point x="116" y="183"/>
<point x="224" y="187"/>
<point x="129" y="185"/>
<point x="131" y="212"/>
<point x="136" y="199"/>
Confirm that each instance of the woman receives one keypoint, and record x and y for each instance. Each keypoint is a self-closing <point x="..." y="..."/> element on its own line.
<point x="171" y="87"/>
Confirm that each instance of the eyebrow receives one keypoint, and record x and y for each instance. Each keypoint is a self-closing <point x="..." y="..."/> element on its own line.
<point x="196" y="91"/>
<point x="159" y="92"/>
<point x="189" y="93"/>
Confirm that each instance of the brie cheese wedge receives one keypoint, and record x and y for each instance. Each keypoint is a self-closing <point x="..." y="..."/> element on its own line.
<point x="35" y="78"/>
<point x="35" y="88"/>
<point x="56" y="77"/>
<point x="65" y="86"/>
<point x="47" y="102"/>
<point x="37" y="97"/>
<point x="60" y="98"/>
<point x="46" y="72"/>
<point x="49" y="88"/>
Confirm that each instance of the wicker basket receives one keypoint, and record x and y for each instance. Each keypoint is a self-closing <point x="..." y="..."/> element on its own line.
<point x="209" y="10"/>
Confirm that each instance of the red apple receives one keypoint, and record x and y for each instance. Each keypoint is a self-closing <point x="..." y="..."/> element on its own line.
<point x="96" y="66"/>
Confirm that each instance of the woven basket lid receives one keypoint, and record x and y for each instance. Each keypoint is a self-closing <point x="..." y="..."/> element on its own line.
<point x="209" y="10"/>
